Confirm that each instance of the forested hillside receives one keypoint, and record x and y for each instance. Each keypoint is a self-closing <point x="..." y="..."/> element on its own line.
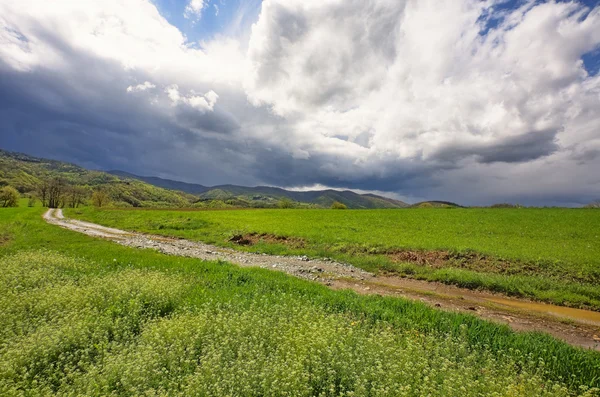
<point x="31" y="175"/>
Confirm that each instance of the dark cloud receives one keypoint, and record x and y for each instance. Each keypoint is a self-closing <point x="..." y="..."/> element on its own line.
<point x="217" y="121"/>
<point x="94" y="122"/>
<point x="513" y="149"/>
<point x="585" y="155"/>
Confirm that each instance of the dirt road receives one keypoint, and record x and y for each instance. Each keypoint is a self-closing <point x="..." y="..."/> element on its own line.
<point x="575" y="326"/>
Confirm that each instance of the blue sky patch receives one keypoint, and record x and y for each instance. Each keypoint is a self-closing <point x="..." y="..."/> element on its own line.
<point x="227" y="17"/>
<point x="591" y="62"/>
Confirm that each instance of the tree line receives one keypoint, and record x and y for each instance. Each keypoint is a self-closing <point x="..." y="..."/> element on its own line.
<point x="56" y="193"/>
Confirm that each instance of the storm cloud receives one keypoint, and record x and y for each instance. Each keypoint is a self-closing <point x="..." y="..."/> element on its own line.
<point x="462" y="100"/>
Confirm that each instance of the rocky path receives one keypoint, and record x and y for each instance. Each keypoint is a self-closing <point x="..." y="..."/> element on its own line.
<point x="575" y="326"/>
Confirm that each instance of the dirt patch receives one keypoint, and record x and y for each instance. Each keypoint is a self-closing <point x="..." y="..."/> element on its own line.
<point x="465" y="260"/>
<point x="438" y="259"/>
<point x="255" y="238"/>
<point x="5" y="239"/>
<point x="435" y="259"/>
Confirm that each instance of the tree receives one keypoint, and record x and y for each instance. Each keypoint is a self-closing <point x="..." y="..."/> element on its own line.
<point x="43" y="193"/>
<point x="338" y="206"/>
<point x="9" y="197"/>
<point x="100" y="198"/>
<point x="285" y="203"/>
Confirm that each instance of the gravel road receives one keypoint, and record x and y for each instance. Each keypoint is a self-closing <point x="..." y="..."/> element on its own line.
<point x="321" y="270"/>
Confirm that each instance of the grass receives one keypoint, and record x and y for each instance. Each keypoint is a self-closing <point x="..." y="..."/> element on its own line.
<point x="551" y="255"/>
<point x="85" y="316"/>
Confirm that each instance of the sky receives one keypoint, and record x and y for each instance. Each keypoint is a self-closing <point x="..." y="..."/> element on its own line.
<point x="472" y="101"/>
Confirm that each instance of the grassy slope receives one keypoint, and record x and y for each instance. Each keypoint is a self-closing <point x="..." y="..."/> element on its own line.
<point x="26" y="173"/>
<point x="93" y="317"/>
<point x="554" y="253"/>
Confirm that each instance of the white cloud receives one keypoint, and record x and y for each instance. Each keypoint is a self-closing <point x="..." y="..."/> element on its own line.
<point x="216" y="10"/>
<point x="423" y="80"/>
<point x="202" y="103"/>
<point x="194" y="9"/>
<point x="141" y="87"/>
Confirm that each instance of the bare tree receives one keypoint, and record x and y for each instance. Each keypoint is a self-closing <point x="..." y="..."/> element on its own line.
<point x="56" y="190"/>
<point x="594" y="204"/>
<point x="76" y="196"/>
<point x="43" y="193"/>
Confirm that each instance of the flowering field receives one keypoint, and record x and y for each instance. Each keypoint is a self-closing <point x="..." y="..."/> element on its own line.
<point x="82" y="316"/>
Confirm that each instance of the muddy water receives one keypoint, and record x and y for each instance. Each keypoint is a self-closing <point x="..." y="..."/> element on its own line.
<point x="477" y="297"/>
<point x="579" y="315"/>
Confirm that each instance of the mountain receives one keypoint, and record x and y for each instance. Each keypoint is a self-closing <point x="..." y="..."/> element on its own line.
<point x="436" y="204"/>
<point x="26" y="173"/>
<point x="267" y="196"/>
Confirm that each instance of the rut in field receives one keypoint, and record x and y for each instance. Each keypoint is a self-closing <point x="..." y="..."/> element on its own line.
<point x="582" y="329"/>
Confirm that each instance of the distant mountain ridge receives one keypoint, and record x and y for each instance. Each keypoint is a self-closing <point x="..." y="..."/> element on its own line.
<point x="190" y="188"/>
<point x="267" y="195"/>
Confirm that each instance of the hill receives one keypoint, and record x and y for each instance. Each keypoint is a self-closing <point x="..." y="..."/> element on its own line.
<point x="267" y="196"/>
<point x="190" y="188"/>
<point x="436" y="204"/>
<point x="27" y="173"/>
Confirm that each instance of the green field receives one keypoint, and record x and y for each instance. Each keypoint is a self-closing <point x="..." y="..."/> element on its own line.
<point x="83" y="316"/>
<point x="550" y="255"/>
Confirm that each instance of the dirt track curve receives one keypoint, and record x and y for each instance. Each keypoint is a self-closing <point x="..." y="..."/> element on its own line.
<point x="575" y="326"/>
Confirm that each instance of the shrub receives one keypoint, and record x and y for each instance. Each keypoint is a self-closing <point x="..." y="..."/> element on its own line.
<point x="100" y="198"/>
<point x="9" y="197"/>
<point x="338" y="206"/>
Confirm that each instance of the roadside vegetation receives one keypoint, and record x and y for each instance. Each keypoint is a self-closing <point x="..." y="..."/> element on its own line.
<point x="89" y="317"/>
<point x="549" y="255"/>
<point x="9" y="197"/>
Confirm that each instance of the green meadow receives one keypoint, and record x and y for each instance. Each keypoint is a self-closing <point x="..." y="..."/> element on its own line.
<point x="551" y="255"/>
<point x="84" y="316"/>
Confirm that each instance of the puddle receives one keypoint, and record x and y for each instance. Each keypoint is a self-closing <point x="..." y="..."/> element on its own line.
<point x="579" y="315"/>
